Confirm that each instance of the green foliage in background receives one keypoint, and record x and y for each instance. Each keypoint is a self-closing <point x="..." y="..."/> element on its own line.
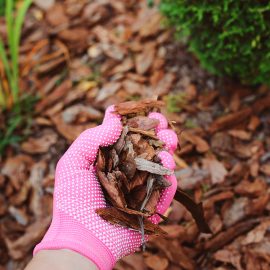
<point x="230" y="37"/>
<point x="15" y="107"/>
<point x="9" y="58"/>
<point x="175" y="102"/>
<point x="17" y="123"/>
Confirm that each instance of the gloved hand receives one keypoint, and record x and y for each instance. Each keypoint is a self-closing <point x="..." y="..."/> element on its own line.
<point x="77" y="194"/>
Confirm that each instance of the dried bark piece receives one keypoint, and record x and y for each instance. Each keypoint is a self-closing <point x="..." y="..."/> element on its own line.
<point x="144" y="60"/>
<point x="195" y="209"/>
<point x="110" y="184"/>
<point x="122" y="180"/>
<point x="128" y="166"/>
<point x="135" y="138"/>
<point x="224" y="237"/>
<point x="115" y="216"/>
<point x="139" y="179"/>
<point x="119" y="145"/>
<point x="40" y="145"/>
<point x="152" y="167"/>
<point x="230" y="120"/>
<point x="148" y="133"/>
<point x="115" y="158"/>
<point x="3" y="205"/>
<point x="136" y="197"/>
<point x="109" y="163"/>
<point x="152" y="202"/>
<point x="136" y="107"/>
<point x="101" y="161"/>
<point x="19" y="247"/>
<point x="142" y="122"/>
<point x="134" y="212"/>
<point x="156" y="143"/>
<point x="144" y="150"/>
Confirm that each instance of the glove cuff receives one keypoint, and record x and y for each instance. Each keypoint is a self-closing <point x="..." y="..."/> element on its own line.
<point x="67" y="233"/>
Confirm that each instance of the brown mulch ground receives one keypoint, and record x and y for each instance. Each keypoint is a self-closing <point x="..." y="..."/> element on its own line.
<point x="80" y="57"/>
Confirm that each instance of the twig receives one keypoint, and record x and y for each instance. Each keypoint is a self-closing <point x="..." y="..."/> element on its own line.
<point x="140" y="218"/>
<point x="149" y="190"/>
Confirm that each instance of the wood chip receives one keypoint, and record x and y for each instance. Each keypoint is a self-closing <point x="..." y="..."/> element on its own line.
<point x="152" y="167"/>
<point x="118" y="217"/>
<point x="195" y="209"/>
<point x="135" y="107"/>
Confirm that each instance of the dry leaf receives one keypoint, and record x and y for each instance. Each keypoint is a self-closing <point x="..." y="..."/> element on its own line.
<point x="236" y="212"/>
<point x="134" y="261"/>
<point x="56" y="15"/>
<point x="265" y="168"/>
<point x="201" y="145"/>
<point x="164" y="85"/>
<point x="228" y="256"/>
<point x="144" y="60"/>
<point x="80" y="114"/>
<point x="56" y="95"/>
<point x="240" y="134"/>
<point x="257" y="234"/>
<point x="132" y="87"/>
<point x="44" y="5"/>
<point x="251" y="188"/>
<point x="156" y="262"/>
<point x="217" y="170"/>
<point x="41" y="144"/>
<point x="34" y="233"/>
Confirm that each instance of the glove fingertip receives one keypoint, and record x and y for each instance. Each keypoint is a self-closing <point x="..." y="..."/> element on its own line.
<point x="167" y="160"/>
<point x="170" y="139"/>
<point x="111" y="132"/>
<point x="110" y="114"/>
<point x="163" y="123"/>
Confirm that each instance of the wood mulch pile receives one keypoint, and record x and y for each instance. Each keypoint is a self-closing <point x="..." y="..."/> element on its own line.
<point x="80" y="57"/>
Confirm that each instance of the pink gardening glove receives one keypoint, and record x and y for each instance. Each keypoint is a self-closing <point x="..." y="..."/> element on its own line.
<point x="77" y="194"/>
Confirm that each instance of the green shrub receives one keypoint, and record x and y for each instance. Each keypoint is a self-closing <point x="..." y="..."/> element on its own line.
<point x="229" y="37"/>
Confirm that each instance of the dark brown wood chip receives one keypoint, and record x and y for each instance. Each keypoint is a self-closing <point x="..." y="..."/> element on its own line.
<point x="195" y="209"/>
<point x="115" y="216"/>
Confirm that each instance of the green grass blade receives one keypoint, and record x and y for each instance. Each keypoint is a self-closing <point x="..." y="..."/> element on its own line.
<point x="3" y="102"/>
<point x="10" y="72"/>
<point x="4" y="58"/>
<point x="9" y="22"/>
<point x="7" y="67"/>
<point x="16" y="39"/>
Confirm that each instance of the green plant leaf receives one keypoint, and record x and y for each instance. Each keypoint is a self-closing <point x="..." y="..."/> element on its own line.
<point x="16" y="42"/>
<point x="4" y="58"/>
<point x="2" y="98"/>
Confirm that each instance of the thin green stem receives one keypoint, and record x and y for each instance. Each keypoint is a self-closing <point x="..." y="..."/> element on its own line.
<point x="17" y="35"/>
<point x="9" y="23"/>
<point x="3" y="101"/>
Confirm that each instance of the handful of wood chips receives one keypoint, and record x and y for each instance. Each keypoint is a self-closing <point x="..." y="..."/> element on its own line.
<point x="132" y="175"/>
